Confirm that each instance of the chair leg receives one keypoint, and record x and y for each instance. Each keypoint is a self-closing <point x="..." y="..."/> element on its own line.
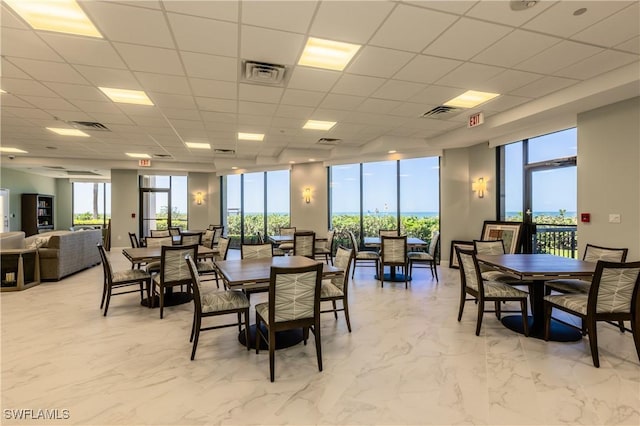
<point x="435" y="269"/>
<point x="161" y="301"/>
<point x="480" y="315"/>
<point x="316" y="335"/>
<point x="246" y="328"/>
<point x="636" y="333"/>
<point x="353" y="271"/>
<point x="593" y="341"/>
<point x="149" y="293"/>
<point x="106" y="304"/>
<point x="195" y="338"/>
<point x="193" y="326"/>
<point x="525" y="317"/>
<point x="272" y="353"/>
<point x="621" y="326"/>
<point x="463" y="299"/>
<point x="104" y="294"/>
<point x="497" y="305"/>
<point x="345" y="305"/>
<point x="239" y="321"/>
<point x="335" y="309"/>
<point x="547" y="320"/>
<point x="257" y="339"/>
<point x="141" y="291"/>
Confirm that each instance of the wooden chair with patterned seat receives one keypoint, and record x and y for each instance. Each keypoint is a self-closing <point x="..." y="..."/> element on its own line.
<point x="304" y="244"/>
<point x="496" y="247"/>
<point x="207" y="267"/>
<point x="362" y="256"/>
<point x="428" y="257"/>
<point x="337" y="288"/>
<point x="256" y="251"/>
<point x="160" y="233"/>
<point x="393" y="253"/>
<point x="173" y="270"/>
<point x="190" y="238"/>
<point x="288" y="231"/>
<point x="325" y="248"/>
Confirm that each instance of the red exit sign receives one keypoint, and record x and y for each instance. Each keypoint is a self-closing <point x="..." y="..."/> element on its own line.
<point x="475" y="119"/>
<point x="144" y="163"/>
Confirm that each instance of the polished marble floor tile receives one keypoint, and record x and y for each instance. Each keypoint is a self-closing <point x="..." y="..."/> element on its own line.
<point x="407" y="362"/>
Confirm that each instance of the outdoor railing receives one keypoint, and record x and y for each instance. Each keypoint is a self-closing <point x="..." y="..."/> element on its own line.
<point x="556" y="239"/>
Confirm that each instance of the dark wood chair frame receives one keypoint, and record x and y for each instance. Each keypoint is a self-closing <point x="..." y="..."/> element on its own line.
<point x="174" y="283"/>
<point x="303" y="234"/>
<point x="345" y="291"/>
<point x="356" y="249"/>
<point x="404" y="264"/>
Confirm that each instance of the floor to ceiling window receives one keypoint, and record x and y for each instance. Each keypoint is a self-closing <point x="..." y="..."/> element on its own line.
<point x="163" y="203"/>
<point x="91" y="203"/>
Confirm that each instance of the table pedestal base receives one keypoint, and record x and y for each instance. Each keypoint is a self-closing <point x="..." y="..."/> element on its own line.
<point x="284" y="339"/>
<point x="558" y="332"/>
<point x="170" y="299"/>
<point x="396" y="278"/>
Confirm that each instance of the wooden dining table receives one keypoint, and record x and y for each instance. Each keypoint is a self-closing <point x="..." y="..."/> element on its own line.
<point x="538" y="268"/>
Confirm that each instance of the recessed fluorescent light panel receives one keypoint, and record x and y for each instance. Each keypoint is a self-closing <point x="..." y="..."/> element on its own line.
<point x="12" y="150"/>
<point x="327" y="54"/>
<point x="137" y="155"/>
<point x="251" y="136"/>
<point x="318" y="125"/>
<point x="197" y="145"/>
<point x="470" y="99"/>
<point x="68" y="132"/>
<point x="61" y="16"/>
<point x="2" y="91"/>
<point x="126" y="96"/>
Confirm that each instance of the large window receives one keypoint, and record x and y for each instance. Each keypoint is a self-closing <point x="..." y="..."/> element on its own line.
<point x="163" y="203"/>
<point x="91" y="203"/>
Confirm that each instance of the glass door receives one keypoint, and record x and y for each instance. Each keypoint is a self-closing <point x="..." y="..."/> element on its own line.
<point x="154" y="210"/>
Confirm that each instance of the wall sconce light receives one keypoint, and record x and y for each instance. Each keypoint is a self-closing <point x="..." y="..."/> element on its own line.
<point x="479" y="187"/>
<point x="307" y="195"/>
<point x="199" y="198"/>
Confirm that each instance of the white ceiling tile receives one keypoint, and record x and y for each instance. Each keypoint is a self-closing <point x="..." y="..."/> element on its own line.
<point x="515" y="48"/>
<point x="336" y="101"/>
<point x="9" y="100"/>
<point x="181" y="125"/>
<point x="458" y="7"/>
<point x="558" y="56"/>
<point x="205" y="35"/>
<point x="49" y="71"/>
<point x="260" y="93"/>
<point x="25" y="44"/>
<point x="357" y="85"/>
<point x="616" y="29"/>
<point x="107" y="77"/>
<point x="349" y="21"/>
<point x="9" y="19"/>
<point x="7" y="69"/>
<point x="163" y="83"/>
<point x="411" y="28"/>
<point x="426" y="69"/>
<point x="301" y="97"/>
<point x="559" y="19"/>
<point x="507" y="81"/>
<point x="378" y="62"/>
<point x="215" y="104"/>
<point x="378" y="105"/>
<point x="436" y="95"/>
<point x="598" y="64"/>
<point x="150" y="4"/>
<point x="214" y="88"/>
<point x="225" y="10"/>
<point x="76" y="91"/>
<point x="27" y="113"/>
<point x="632" y="45"/>
<point x="19" y="86"/>
<point x="150" y="59"/>
<point x="172" y="101"/>
<point x="130" y="24"/>
<point x="210" y="66"/>
<point x="294" y="111"/>
<point x="280" y="15"/>
<point x="466" y="38"/>
<point x="306" y="78"/>
<point x="180" y="113"/>
<point x="500" y="12"/>
<point x="271" y="46"/>
<point x="114" y="119"/>
<point x="133" y="110"/>
<point x="469" y="75"/>
<point x="93" y="106"/>
<point x="329" y="114"/>
<point x="504" y="102"/>
<point x="291" y="123"/>
<point x="256" y="108"/>
<point x="544" y="86"/>
<point x="222" y="118"/>
<point x="84" y="50"/>
<point x="398" y="90"/>
<point x="411" y="109"/>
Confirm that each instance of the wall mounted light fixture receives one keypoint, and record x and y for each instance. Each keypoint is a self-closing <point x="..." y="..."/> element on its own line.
<point x="198" y="198"/>
<point x="479" y="187"/>
<point x="307" y="195"/>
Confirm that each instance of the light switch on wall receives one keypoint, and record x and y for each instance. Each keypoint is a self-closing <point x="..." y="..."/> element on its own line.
<point x="614" y="218"/>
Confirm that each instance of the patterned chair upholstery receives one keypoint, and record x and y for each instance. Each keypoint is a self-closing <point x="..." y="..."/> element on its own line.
<point x="612" y="296"/>
<point x="388" y="233"/>
<point x="294" y="302"/>
<point x="214" y="303"/>
<point x="495" y="247"/>
<point x="160" y="233"/>
<point x="325" y="248"/>
<point x="290" y="231"/>
<point x="190" y="238"/>
<point x="304" y="244"/>
<point x="173" y="270"/>
<point x="366" y="257"/>
<point x="337" y="288"/>
<point x="393" y="253"/>
<point x="207" y="238"/>
<point x="154" y="267"/>
<point x="472" y="283"/>
<point x="428" y="257"/>
<point x="207" y="266"/>
<point x="255" y="251"/>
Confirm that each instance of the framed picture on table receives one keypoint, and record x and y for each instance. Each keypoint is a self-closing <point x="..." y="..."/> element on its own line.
<point x="509" y="232"/>
<point x="453" y="257"/>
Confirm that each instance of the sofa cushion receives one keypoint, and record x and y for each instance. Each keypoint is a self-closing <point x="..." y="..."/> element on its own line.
<point x="38" y="242"/>
<point x="12" y="240"/>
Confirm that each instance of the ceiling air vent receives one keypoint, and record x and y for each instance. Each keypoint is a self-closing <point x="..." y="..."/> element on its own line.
<point x="263" y="73"/>
<point x="54" y="167"/>
<point x="441" y="111"/>
<point x="329" y="141"/>
<point x="81" y="173"/>
<point x="165" y="156"/>
<point x="89" y="125"/>
<point x="224" y="151"/>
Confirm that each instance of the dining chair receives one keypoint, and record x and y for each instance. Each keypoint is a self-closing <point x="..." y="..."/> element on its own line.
<point x="428" y="257"/>
<point x="207" y="267"/>
<point x="173" y="270"/>
<point x="287" y="232"/>
<point x="275" y="251"/>
<point x="337" y="288"/>
<point x="133" y="239"/>
<point x="255" y="251"/>
<point x="207" y="237"/>
<point x="496" y="247"/>
<point x="393" y="253"/>
<point x="325" y="248"/>
<point x="362" y="256"/>
<point x="388" y="233"/>
<point x="119" y="279"/>
<point x="294" y="302"/>
<point x="160" y="233"/>
<point x="304" y="244"/>
<point x="175" y="231"/>
<point x="154" y="267"/>
<point x="190" y="238"/>
<point x="612" y="296"/>
<point x="472" y="283"/>
<point x="215" y="303"/>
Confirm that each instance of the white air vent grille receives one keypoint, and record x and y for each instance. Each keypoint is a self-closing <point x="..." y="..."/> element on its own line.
<point x="89" y="125"/>
<point x="441" y="111"/>
<point x="224" y="151"/>
<point x="81" y="173"/>
<point x="329" y="141"/>
<point x="163" y="156"/>
<point x="264" y="73"/>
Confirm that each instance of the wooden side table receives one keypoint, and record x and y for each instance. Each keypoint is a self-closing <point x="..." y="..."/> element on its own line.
<point x="20" y="269"/>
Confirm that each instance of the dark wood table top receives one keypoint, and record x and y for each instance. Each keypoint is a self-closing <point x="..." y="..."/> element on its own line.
<point x="279" y="239"/>
<point x="142" y="254"/>
<point x="538" y="267"/>
<point x="376" y="242"/>
<point x="256" y="272"/>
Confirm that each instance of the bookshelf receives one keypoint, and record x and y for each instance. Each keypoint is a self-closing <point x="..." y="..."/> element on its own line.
<point x="37" y="213"/>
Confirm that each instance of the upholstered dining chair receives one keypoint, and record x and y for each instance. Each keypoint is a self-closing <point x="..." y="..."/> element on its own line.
<point x="133" y="239"/>
<point x="154" y="267"/>
<point x="190" y="238"/>
<point x="160" y="233"/>
<point x="369" y="258"/>
<point x="294" y="302"/>
<point x="304" y="244"/>
<point x="337" y="288"/>
<point x="119" y="279"/>
<point x="207" y="266"/>
<point x="495" y="247"/>
<point x="428" y="257"/>
<point x="175" y="231"/>
<point x="173" y="270"/>
<point x="325" y="248"/>
<point x="287" y="231"/>
<point x="255" y="251"/>
<point x="393" y="253"/>
<point x="214" y="303"/>
<point x="388" y="233"/>
<point x="612" y="296"/>
<point x="472" y="283"/>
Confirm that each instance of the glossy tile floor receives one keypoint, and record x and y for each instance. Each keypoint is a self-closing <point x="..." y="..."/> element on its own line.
<point x="407" y="361"/>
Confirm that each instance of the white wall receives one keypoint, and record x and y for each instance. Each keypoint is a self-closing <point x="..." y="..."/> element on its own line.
<point x="124" y="202"/>
<point x="199" y="214"/>
<point x="609" y="176"/>
<point x="313" y="216"/>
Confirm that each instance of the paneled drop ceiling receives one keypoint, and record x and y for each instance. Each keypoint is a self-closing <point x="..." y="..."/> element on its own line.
<point x="548" y="62"/>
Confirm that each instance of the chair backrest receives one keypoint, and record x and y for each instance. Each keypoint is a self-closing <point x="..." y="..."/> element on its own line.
<point x="173" y="268"/>
<point x="159" y="241"/>
<point x="212" y="227"/>
<point x="223" y="249"/>
<point x="133" y="239"/>
<point x="388" y="233"/>
<point x="470" y="275"/>
<point x="294" y="293"/>
<point x="491" y="247"/>
<point x="256" y="251"/>
<point x="189" y="238"/>
<point x="217" y="234"/>
<point x="304" y="244"/>
<point x="290" y="231"/>
<point x="354" y="242"/>
<point x="594" y="253"/>
<point x="433" y="244"/>
<point x="174" y="231"/>
<point x="207" y="238"/>
<point x="614" y="288"/>
<point x="107" y="271"/>
<point x="160" y="233"/>
<point x="393" y="250"/>
<point x="259" y="237"/>
<point x="343" y="260"/>
<point x="328" y="244"/>
<point x="195" y="283"/>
